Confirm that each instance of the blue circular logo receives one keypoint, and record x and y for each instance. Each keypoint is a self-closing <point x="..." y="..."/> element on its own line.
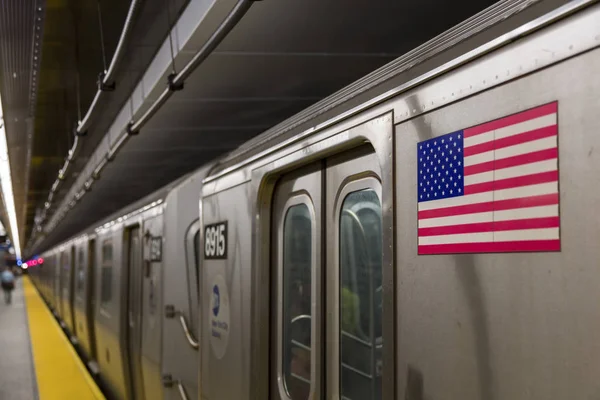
<point x="216" y="300"/>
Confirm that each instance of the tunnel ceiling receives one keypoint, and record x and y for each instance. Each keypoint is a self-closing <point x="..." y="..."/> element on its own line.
<point x="281" y="58"/>
<point x="51" y="53"/>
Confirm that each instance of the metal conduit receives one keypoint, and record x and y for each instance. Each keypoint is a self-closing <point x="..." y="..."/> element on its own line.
<point x="175" y="83"/>
<point x="106" y="79"/>
<point x="217" y="37"/>
<point x="119" y="51"/>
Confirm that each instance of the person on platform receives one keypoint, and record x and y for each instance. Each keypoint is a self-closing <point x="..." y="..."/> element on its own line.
<point x="8" y="284"/>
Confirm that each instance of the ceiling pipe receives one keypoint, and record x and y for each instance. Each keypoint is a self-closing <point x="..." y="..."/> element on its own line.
<point x="106" y="80"/>
<point x="105" y="83"/>
<point x="175" y="83"/>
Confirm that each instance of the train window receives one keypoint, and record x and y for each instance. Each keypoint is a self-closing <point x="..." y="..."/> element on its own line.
<point x="65" y="266"/>
<point x="80" y="271"/>
<point x="106" y="274"/>
<point x="197" y="258"/>
<point x="297" y="281"/>
<point x="361" y="342"/>
<point x="192" y="264"/>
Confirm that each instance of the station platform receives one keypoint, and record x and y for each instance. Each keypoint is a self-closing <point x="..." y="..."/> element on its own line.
<point x="37" y="361"/>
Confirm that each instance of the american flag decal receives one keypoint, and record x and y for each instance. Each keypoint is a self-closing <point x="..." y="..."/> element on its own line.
<point x="492" y="187"/>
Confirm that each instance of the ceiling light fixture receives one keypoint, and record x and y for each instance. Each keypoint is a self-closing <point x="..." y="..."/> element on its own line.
<point x="7" y="188"/>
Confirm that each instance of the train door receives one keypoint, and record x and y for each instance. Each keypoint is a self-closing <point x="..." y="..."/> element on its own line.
<point x="71" y="293"/>
<point x="354" y="277"/>
<point x="61" y="284"/>
<point x="297" y="329"/>
<point x="327" y="241"/>
<point x="134" y="317"/>
<point x="90" y="302"/>
<point x="66" y="285"/>
<point x="79" y="302"/>
<point x="56" y="270"/>
<point x="151" y="316"/>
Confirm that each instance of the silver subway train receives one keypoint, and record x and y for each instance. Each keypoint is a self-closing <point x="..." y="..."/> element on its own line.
<point x="429" y="232"/>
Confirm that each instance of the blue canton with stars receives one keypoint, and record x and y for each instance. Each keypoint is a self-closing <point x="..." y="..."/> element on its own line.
<point x="441" y="167"/>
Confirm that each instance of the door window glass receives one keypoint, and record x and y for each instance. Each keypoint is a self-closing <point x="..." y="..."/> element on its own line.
<point x="80" y="271"/>
<point x="192" y="252"/>
<point x="197" y="258"/>
<point x="106" y="273"/>
<point x="66" y="271"/>
<point x="361" y="296"/>
<point x="297" y="275"/>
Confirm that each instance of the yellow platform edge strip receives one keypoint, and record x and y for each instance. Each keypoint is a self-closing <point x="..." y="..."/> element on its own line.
<point x="61" y="374"/>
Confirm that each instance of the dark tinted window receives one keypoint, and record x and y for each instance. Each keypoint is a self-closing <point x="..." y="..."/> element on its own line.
<point x="197" y="258"/>
<point x="106" y="272"/>
<point x="80" y="270"/>
<point x="297" y="287"/>
<point x="360" y="296"/>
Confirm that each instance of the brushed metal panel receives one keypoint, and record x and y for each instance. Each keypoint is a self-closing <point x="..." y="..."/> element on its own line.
<point x="507" y="326"/>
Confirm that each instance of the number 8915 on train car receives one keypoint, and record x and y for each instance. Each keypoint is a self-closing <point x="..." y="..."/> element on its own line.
<point x="215" y="241"/>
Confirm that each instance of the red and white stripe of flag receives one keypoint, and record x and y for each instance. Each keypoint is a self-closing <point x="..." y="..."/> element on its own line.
<point x="511" y="197"/>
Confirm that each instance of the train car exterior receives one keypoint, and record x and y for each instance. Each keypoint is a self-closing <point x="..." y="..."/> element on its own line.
<point x="108" y="282"/>
<point x="84" y="298"/>
<point x="422" y="234"/>
<point x="114" y="327"/>
<point x="181" y="288"/>
<point x="402" y="239"/>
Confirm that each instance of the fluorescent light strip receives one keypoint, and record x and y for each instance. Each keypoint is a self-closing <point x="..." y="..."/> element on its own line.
<point x="7" y="187"/>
